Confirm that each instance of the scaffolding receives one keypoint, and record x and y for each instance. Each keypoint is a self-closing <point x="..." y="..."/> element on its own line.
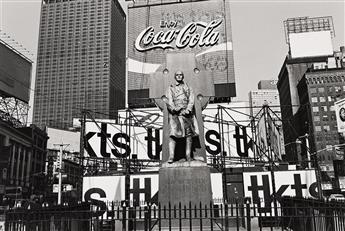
<point x="258" y="153"/>
<point x="306" y="24"/>
<point x="13" y="111"/>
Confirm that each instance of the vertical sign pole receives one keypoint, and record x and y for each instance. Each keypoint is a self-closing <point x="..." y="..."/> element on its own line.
<point x="60" y="175"/>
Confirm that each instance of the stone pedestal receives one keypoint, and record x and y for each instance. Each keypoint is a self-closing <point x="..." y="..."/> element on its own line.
<point x="185" y="182"/>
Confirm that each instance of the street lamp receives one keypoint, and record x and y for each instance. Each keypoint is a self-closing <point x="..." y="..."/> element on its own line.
<point x="306" y="137"/>
<point x="327" y="148"/>
<point x="298" y="141"/>
<point x="316" y="165"/>
<point x="317" y="168"/>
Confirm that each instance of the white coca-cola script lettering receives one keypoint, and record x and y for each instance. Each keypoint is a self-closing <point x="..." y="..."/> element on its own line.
<point x="186" y="37"/>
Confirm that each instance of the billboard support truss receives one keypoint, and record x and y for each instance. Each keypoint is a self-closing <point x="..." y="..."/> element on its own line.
<point x="306" y="24"/>
<point x="13" y="111"/>
<point x="266" y="120"/>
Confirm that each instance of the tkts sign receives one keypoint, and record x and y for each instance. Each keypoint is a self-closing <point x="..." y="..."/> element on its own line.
<point x="100" y="190"/>
<point x="192" y="34"/>
<point x="121" y="141"/>
<point x="258" y="186"/>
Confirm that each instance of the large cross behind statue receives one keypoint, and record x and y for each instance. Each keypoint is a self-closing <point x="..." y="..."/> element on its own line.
<point x="183" y="181"/>
<point x="199" y="80"/>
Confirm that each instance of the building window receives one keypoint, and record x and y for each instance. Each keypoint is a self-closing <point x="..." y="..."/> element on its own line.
<point x="312" y="90"/>
<point x="326" y="128"/>
<point x="316" y="118"/>
<point x="314" y="99"/>
<point x="321" y="89"/>
<point x="323" y="108"/>
<point x="322" y="99"/>
<point x="318" y="128"/>
<point x="315" y="109"/>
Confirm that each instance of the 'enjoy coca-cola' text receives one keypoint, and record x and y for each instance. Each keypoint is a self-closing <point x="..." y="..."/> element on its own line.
<point x="188" y="36"/>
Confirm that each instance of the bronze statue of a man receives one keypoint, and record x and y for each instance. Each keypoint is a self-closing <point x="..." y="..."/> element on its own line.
<point x="182" y="121"/>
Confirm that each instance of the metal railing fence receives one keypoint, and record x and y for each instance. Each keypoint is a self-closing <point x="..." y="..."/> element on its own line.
<point x="296" y="214"/>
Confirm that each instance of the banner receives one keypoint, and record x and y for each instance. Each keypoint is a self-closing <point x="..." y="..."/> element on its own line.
<point x="341" y="180"/>
<point x="143" y="139"/>
<point x="269" y="137"/>
<point x="275" y="137"/>
<point x="15" y="74"/>
<point x="261" y="138"/>
<point x="340" y="115"/>
<point x="104" y="188"/>
<point x="258" y="186"/>
<point x="122" y="141"/>
<point x="143" y="188"/>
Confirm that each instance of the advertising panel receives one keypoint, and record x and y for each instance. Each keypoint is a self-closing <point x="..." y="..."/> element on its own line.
<point x="199" y="27"/>
<point x="258" y="186"/>
<point x="104" y="188"/>
<point x="100" y="191"/>
<point x="122" y="141"/>
<point x="59" y="136"/>
<point x="341" y="180"/>
<point x="262" y="137"/>
<point x="340" y="115"/>
<point x="269" y="137"/>
<point x="143" y="139"/>
<point x="15" y="74"/>
<point x="275" y="137"/>
<point x="143" y="188"/>
<point x="310" y="44"/>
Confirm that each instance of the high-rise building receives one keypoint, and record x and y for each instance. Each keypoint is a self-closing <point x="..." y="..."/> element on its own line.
<point x="267" y="94"/>
<point x="81" y="61"/>
<point x="318" y="90"/>
<point x="157" y="29"/>
<point x="311" y="76"/>
<point x="268" y="84"/>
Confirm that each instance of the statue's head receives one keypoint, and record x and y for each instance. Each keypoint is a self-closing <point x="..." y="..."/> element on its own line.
<point x="179" y="76"/>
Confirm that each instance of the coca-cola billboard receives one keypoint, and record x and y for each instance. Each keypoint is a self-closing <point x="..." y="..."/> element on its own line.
<point x="202" y="28"/>
<point x="187" y="36"/>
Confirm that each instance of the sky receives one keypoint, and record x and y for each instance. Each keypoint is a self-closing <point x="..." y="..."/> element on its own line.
<point x="257" y="28"/>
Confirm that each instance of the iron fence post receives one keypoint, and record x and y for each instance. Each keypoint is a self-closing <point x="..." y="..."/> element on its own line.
<point x="146" y="218"/>
<point x="237" y="217"/>
<point x="248" y="201"/>
<point x="124" y="225"/>
<point x="159" y="217"/>
<point x="200" y="207"/>
<point x="190" y="216"/>
<point x="149" y="216"/>
<point x="169" y="216"/>
<point x="179" y="216"/>
<point x="211" y="214"/>
<point x="226" y="213"/>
